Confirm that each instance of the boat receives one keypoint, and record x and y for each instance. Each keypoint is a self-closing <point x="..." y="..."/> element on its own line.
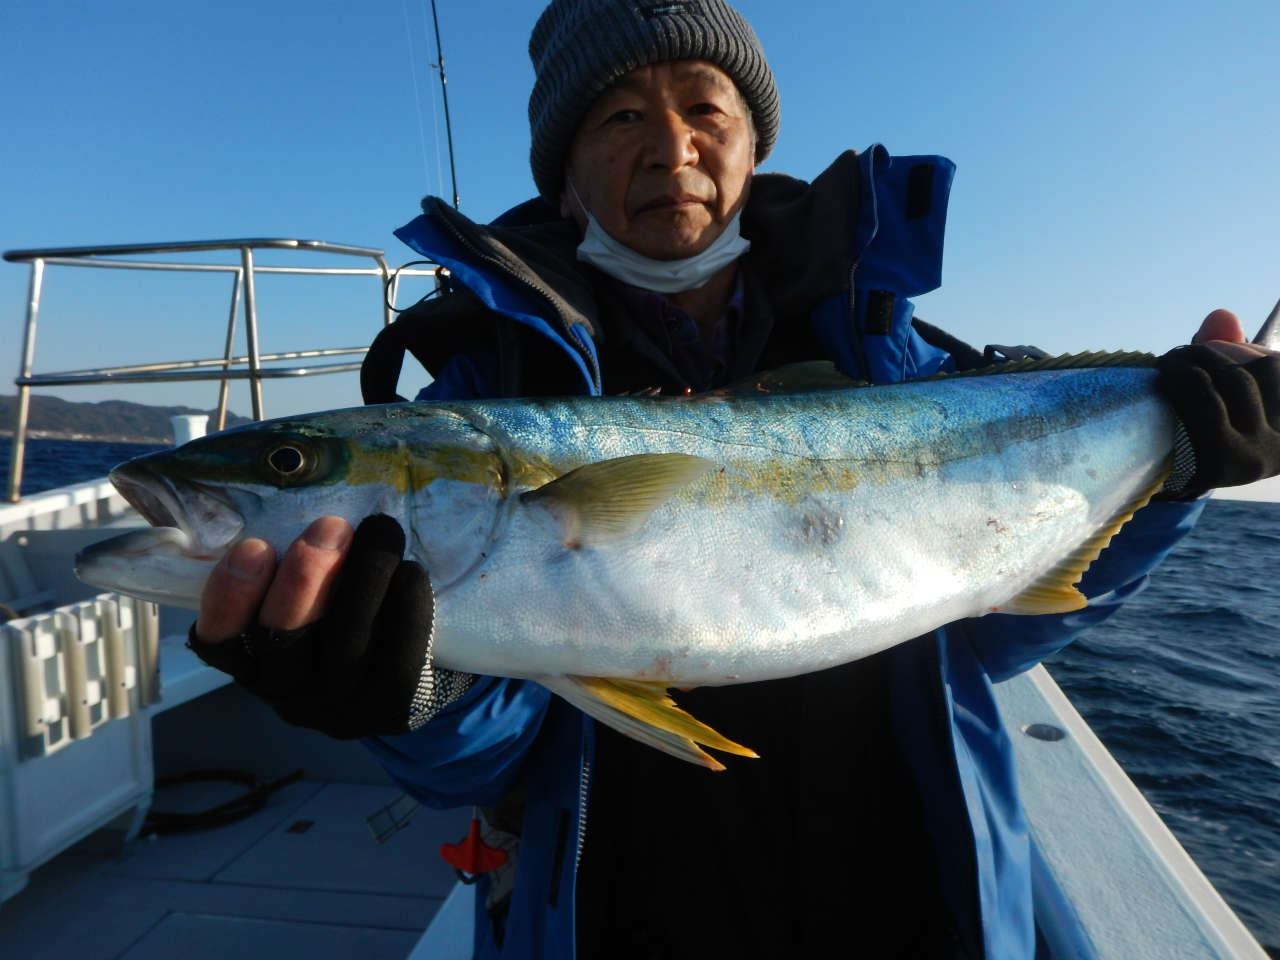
<point x="149" y="808"/>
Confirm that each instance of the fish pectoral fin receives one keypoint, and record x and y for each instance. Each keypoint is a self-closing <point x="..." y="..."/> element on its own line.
<point x="1055" y="591"/>
<point x="643" y="711"/>
<point x="612" y="499"/>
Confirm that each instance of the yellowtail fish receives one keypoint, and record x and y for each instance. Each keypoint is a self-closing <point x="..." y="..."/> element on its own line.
<point x="610" y="548"/>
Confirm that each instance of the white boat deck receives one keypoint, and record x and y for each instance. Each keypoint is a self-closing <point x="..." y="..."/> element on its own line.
<point x="301" y="877"/>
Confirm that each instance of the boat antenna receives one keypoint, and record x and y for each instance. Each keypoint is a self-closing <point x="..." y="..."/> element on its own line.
<point x="444" y="95"/>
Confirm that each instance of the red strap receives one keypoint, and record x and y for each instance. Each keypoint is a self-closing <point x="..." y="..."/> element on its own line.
<point x="473" y="855"/>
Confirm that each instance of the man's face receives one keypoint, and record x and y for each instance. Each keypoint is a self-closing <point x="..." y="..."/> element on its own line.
<point x="663" y="159"/>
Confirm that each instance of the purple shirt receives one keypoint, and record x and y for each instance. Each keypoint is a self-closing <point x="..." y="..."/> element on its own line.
<point x="676" y="334"/>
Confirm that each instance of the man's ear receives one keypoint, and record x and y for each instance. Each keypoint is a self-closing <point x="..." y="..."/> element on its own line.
<point x="570" y="206"/>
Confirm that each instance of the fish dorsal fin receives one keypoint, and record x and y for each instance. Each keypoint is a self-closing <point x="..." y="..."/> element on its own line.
<point x="643" y="711"/>
<point x="1055" y="591"/>
<point x="816" y="375"/>
<point x="806" y="377"/>
<point x="611" y="499"/>
<point x="1066" y="361"/>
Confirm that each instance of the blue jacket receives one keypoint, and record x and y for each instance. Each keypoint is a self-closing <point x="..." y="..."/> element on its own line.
<point x="892" y="211"/>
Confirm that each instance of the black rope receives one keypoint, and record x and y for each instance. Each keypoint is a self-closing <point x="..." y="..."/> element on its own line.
<point x="254" y="798"/>
<point x="392" y="282"/>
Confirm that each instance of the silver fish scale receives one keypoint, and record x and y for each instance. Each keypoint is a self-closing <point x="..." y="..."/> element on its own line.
<point x="837" y="524"/>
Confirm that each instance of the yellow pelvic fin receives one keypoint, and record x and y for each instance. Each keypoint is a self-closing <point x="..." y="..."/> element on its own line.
<point x="612" y="499"/>
<point x="1055" y="591"/>
<point x="643" y="710"/>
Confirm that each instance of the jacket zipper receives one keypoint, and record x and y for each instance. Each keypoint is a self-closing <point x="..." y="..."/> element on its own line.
<point x="584" y="782"/>
<point x="536" y="287"/>
<point x="557" y="865"/>
<point x="855" y="335"/>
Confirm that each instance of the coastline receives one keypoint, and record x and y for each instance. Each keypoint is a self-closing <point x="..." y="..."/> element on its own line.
<point x="103" y="421"/>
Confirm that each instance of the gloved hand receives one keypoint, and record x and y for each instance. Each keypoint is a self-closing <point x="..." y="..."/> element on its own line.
<point x="1227" y="399"/>
<point x="364" y="668"/>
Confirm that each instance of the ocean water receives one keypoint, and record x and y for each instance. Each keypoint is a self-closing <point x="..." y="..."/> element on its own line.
<point x="55" y="463"/>
<point x="1183" y="685"/>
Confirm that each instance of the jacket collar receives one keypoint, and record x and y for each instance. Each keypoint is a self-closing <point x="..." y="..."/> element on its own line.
<point x="804" y="236"/>
<point x="540" y="256"/>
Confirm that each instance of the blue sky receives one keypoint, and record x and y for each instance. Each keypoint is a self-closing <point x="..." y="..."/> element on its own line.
<point x="1117" y="177"/>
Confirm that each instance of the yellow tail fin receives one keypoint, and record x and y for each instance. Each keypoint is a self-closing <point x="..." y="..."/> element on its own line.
<point x="1055" y="592"/>
<point x="643" y="711"/>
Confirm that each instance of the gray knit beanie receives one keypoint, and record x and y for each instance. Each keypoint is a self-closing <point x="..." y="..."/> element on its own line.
<point x="580" y="47"/>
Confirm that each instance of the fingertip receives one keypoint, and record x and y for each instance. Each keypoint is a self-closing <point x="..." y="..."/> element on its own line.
<point x="248" y="560"/>
<point x="1220" y="324"/>
<point x="300" y="591"/>
<point x="328" y="533"/>
<point x="381" y="532"/>
<point x="234" y="590"/>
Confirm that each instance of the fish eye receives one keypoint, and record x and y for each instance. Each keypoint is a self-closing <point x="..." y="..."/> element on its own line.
<point x="289" y="461"/>
<point x="286" y="460"/>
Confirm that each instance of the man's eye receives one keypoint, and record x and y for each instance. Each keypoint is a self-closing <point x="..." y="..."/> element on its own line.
<point x="623" y="116"/>
<point x="704" y="109"/>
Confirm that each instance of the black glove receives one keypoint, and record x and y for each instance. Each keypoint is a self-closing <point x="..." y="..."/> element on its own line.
<point x="363" y="669"/>
<point x="1228" y="413"/>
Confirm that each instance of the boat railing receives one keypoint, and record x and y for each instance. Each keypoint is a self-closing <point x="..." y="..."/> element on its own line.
<point x="230" y="366"/>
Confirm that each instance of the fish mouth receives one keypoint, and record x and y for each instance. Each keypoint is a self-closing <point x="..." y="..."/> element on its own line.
<point x="154" y="510"/>
<point x="202" y="512"/>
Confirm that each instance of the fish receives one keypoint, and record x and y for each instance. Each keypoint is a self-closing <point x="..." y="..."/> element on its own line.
<point x="613" y="548"/>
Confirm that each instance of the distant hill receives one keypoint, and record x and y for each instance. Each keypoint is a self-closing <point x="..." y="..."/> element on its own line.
<point x="115" y="420"/>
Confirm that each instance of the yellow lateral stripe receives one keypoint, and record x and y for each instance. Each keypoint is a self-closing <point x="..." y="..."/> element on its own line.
<point x="650" y="704"/>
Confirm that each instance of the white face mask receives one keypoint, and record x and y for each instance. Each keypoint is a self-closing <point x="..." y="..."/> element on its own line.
<point x="661" y="276"/>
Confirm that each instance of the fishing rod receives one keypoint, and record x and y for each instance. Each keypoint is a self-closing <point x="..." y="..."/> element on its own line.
<point x="1269" y="335"/>
<point x="444" y="95"/>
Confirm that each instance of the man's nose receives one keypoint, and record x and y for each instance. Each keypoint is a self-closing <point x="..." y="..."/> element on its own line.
<point x="671" y="141"/>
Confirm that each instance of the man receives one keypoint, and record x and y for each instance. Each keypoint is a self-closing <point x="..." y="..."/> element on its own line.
<point x="884" y="816"/>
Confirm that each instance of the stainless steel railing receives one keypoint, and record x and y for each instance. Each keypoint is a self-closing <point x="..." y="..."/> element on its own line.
<point x="224" y="369"/>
